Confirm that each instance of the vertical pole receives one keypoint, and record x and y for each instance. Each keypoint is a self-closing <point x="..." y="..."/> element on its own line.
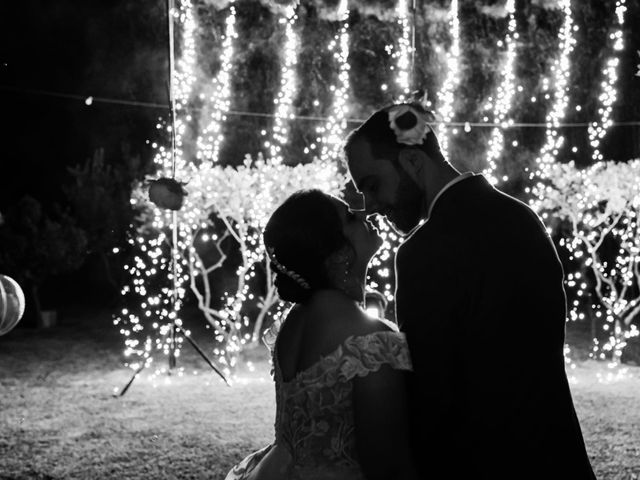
<point x="174" y="296"/>
<point x="174" y="223"/>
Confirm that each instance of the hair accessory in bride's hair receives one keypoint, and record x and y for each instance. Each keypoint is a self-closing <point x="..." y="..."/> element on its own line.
<point x="289" y="273"/>
<point x="409" y="123"/>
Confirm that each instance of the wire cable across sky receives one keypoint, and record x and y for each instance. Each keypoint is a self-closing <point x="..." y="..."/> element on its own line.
<point x="89" y="100"/>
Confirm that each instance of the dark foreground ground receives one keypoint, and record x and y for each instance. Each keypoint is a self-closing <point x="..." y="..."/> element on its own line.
<point x="59" y="419"/>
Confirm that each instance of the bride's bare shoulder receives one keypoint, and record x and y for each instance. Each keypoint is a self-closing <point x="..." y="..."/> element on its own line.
<point x="318" y="327"/>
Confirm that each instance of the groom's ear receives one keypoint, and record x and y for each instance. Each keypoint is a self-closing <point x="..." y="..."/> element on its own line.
<point x="412" y="161"/>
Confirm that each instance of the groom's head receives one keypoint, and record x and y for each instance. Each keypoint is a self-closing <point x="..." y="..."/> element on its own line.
<point x="389" y="157"/>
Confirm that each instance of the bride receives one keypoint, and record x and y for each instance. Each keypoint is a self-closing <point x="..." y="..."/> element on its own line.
<point x="339" y="375"/>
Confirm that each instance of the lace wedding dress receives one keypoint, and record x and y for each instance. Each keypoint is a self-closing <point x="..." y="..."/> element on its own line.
<point x="314" y="427"/>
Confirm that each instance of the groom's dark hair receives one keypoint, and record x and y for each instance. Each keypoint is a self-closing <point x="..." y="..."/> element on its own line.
<point x="377" y="132"/>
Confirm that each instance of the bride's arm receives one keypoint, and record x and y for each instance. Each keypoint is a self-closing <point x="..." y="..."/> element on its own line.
<point x="381" y="423"/>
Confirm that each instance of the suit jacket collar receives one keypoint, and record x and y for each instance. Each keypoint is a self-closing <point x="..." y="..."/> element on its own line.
<point x="468" y="186"/>
<point x="459" y="178"/>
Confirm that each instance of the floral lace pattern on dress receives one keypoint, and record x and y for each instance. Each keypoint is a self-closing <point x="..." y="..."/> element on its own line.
<point x="314" y="417"/>
<point x="315" y="430"/>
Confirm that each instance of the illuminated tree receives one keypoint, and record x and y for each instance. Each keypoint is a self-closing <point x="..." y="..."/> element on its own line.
<point x="243" y="199"/>
<point x="601" y="205"/>
<point x="224" y="204"/>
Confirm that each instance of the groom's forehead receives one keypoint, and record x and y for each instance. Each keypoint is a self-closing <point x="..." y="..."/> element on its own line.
<point x="373" y="174"/>
<point x="362" y="163"/>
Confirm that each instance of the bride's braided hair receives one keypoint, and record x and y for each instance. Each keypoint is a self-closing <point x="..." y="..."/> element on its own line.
<point x="282" y="269"/>
<point x="299" y="237"/>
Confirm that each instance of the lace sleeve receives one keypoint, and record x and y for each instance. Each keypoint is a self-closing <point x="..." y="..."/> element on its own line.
<point x="365" y="354"/>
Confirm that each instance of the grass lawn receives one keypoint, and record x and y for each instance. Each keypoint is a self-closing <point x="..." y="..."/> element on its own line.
<point x="59" y="419"/>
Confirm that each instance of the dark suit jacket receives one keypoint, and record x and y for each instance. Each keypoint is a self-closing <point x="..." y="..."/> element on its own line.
<point x="480" y="296"/>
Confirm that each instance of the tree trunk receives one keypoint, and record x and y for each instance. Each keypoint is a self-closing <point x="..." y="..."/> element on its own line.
<point x="267" y="303"/>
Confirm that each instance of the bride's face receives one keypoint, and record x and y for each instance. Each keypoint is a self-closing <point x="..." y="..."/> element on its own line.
<point x="363" y="237"/>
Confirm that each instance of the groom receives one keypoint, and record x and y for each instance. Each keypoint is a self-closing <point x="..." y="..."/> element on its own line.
<point x="480" y="297"/>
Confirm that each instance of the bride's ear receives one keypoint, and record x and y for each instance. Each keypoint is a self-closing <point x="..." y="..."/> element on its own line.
<point x="413" y="162"/>
<point x="338" y="265"/>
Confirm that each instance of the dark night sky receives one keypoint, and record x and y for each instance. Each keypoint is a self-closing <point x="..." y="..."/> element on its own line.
<point x="100" y="48"/>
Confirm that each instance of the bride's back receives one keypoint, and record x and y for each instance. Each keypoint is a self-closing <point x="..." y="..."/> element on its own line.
<point x="317" y="328"/>
<point x="324" y="349"/>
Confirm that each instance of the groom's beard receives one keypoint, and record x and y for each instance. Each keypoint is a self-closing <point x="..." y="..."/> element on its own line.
<point x="407" y="209"/>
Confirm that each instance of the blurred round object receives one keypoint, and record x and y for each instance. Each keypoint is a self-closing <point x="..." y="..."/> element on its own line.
<point x="167" y="193"/>
<point x="12" y="304"/>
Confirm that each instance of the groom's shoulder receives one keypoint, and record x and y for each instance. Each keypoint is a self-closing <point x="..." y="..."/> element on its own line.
<point x="477" y="201"/>
<point x="476" y="215"/>
<point x="516" y="211"/>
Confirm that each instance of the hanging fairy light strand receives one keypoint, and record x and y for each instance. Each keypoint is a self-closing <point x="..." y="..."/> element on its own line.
<point x="331" y="133"/>
<point x="446" y="94"/>
<point x="151" y="260"/>
<point x="288" y="86"/>
<point x="598" y="130"/>
<point x="183" y="82"/>
<point x="403" y="53"/>
<point x="220" y="101"/>
<point x="560" y="72"/>
<point x="504" y="98"/>
<point x="175" y="305"/>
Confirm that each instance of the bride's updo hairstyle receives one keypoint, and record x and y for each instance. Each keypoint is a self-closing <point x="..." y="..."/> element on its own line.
<point x="300" y="235"/>
<point x="386" y="136"/>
